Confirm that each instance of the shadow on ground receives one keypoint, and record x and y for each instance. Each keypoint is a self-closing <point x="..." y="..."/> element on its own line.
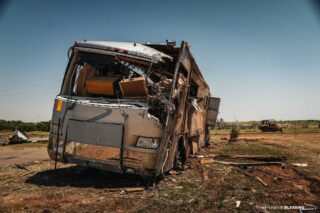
<point x="77" y="176"/>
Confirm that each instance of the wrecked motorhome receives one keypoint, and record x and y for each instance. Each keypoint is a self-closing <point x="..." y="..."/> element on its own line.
<point x="131" y="108"/>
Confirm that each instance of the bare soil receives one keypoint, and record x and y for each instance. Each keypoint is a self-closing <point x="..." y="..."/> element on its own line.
<point x="199" y="188"/>
<point x="11" y="155"/>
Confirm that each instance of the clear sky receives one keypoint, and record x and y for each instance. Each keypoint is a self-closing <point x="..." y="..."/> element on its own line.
<point x="261" y="57"/>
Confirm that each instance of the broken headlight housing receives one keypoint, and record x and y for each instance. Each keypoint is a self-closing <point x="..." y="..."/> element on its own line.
<point x="149" y="143"/>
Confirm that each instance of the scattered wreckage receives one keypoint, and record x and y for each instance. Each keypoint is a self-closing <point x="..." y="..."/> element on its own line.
<point x="131" y="108"/>
<point x="18" y="137"/>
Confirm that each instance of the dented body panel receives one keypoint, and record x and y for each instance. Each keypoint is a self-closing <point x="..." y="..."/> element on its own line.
<point x="125" y="133"/>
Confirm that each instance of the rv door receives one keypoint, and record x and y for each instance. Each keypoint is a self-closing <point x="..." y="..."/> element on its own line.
<point x="213" y="104"/>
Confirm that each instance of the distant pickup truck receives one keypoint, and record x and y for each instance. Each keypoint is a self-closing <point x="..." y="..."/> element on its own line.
<point x="131" y="108"/>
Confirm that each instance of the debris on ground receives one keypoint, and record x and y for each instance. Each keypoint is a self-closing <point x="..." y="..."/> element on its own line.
<point x="199" y="188"/>
<point x="258" y="157"/>
<point x="271" y="163"/>
<point x="18" y="137"/>
<point x="251" y="175"/>
<point x="238" y="202"/>
<point x="299" y="164"/>
<point x="21" y="166"/>
<point x="4" y="141"/>
<point x="27" y="173"/>
<point x="134" y="189"/>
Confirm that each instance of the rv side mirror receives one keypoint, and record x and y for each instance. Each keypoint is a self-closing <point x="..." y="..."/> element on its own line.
<point x="213" y="104"/>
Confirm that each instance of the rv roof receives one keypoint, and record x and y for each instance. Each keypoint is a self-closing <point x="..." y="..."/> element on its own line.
<point x="134" y="49"/>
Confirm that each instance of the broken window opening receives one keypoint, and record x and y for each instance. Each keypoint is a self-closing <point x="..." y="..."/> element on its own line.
<point x="106" y="77"/>
<point x="193" y="92"/>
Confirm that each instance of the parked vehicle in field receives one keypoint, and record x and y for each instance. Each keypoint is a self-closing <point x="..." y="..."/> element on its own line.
<point x="269" y="126"/>
<point x="131" y="108"/>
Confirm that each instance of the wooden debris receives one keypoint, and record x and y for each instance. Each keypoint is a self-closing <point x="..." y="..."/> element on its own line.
<point x="252" y="176"/>
<point x="299" y="164"/>
<point x="190" y="201"/>
<point x="24" y="165"/>
<point x="210" y="160"/>
<point x="206" y="156"/>
<point x="21" y="166"/>
<point x="207" y="160"/>
<point x="258" y="157"/>
<point x="134" y="189"/>
<point x="27" y="173"/>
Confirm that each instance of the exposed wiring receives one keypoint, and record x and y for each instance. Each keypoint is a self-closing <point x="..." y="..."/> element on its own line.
<point x="149" y="71"/>
<point x="124" y="114"/>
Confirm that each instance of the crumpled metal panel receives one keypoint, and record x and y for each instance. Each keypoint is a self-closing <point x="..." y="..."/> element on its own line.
<point x="213" y="110"/>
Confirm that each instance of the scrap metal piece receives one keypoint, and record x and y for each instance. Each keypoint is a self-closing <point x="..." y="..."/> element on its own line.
<point x="18" y="137"/>
<point x="4" y="141"/>
<point x="213" y="110"/>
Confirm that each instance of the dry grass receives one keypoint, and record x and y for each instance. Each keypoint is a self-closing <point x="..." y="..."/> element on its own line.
<point x="200" y="188"/>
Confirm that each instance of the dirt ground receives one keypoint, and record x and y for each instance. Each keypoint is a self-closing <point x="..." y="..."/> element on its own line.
<point x="20" y="155"/>
<point x="37" y="187"/>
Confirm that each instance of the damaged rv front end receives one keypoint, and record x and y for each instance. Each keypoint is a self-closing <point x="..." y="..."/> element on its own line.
<point x="128" y="108"/>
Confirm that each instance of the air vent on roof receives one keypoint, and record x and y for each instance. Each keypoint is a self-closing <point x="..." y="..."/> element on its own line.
<point x="171" y="43"/>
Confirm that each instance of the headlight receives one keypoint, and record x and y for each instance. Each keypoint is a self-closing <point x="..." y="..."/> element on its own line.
<point x="150" y="143"/>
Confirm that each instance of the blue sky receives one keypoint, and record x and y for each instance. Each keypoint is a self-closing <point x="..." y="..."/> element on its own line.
<point x="261" y="57"/>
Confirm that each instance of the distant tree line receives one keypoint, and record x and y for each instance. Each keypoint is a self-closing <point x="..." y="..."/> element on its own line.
<point x="43" y="126"/>
<point x="221" y="124"/>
